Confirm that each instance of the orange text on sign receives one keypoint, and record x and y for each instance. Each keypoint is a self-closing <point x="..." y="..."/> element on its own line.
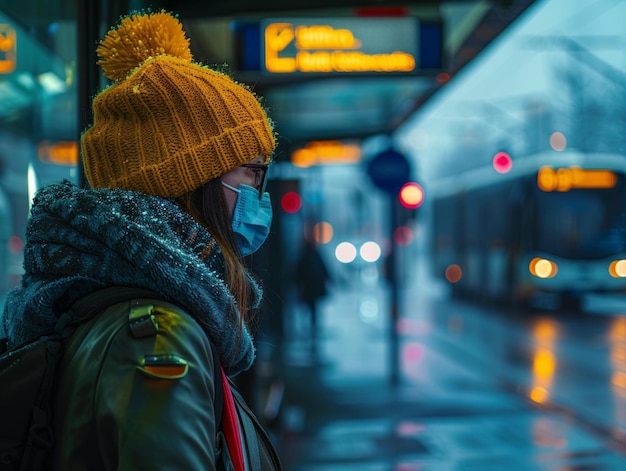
<point x="322" y="48"/>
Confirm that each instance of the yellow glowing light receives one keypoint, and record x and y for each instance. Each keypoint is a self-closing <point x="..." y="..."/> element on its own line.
<point x="325" y="37"/>
<point x="542" y="268"/>
<point x="617" y="269"/>
<point x="546" y="179"/>
<point x="8" y="49"/>
<point x="565" y="179"/>
<point x="277" y="37"/>
<point x="539" y="394"/>
<point x="59" y="153"/>
<point x="323" y="232"/>
<point x="304" y="158"/>
<point x="545" y="331"/>
<point x="322" y="48"/>
<point x="326" y="152"/>
<point x="544" y="360"/>
<point x="544" y="363"/>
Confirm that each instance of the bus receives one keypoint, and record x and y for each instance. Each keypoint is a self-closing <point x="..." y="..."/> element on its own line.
<point x="544" y="234"/>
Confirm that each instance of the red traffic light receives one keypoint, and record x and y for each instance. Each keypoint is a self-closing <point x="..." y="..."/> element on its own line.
<point x="502" y="162"/>
<point x="411" y="195"/>
<point x="291" y="202"/>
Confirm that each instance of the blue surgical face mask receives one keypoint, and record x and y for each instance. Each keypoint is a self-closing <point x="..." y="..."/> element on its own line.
<point x="252" y="218"/>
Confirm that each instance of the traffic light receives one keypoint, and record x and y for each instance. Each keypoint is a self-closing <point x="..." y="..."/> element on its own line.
<point x="411" y="195"/>
<point x="288" y="194"/>
<point x="502" y="162"/>
<point x="291" y="202"/>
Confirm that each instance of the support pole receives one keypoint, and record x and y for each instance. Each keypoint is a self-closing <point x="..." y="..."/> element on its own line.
<point x="88" y="75"/>
<point x="394" y="347"/>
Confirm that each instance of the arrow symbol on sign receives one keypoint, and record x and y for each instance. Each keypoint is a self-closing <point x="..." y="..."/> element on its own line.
<point x="279" y="35"/>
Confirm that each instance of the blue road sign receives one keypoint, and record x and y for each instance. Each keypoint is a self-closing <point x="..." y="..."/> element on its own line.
<point x="389" y="170"/>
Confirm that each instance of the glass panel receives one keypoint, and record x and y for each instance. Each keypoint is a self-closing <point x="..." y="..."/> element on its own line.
<point x="38" y="118"/>
<point x="587" y="223"/>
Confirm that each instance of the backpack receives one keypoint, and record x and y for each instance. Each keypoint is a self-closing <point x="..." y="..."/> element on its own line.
<point x="27" y="374"/>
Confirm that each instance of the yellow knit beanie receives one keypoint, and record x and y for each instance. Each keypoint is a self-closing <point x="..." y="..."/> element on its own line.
<point x="167" y="125"/>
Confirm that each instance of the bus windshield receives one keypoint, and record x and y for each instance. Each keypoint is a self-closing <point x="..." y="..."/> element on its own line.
<point x="581" y="223"/>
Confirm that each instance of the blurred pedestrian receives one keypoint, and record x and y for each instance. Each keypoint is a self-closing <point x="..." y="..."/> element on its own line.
<point x="312" y="279"/>
<point x="176" y="160"/>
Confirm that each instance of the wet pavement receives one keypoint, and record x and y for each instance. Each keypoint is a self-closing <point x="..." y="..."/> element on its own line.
<point x="475" y="393"/>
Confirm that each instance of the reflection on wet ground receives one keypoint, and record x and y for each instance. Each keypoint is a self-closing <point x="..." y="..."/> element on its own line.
<point x="480" y="390"/>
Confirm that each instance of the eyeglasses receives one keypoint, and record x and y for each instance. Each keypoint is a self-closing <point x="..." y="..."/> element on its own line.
<point x="260" y="171"/>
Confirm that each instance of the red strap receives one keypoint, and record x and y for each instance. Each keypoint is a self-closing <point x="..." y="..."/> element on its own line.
<point x="230" y="426"/>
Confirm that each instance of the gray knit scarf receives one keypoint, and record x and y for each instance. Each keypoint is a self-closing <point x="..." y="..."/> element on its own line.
<point x="80" y="240"/>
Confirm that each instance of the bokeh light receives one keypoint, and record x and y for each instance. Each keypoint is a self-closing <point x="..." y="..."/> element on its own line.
<point x="502" y="162"/>
<point x="558" y="141"/>
<point x="15" y="245"/>
<point x="369" y="310"/>
<point x="454" y="273"/>
<point x="411" y="195"/>
<point x="345" y="252"/>
<point x="370" y="251"/>
<point x="403" y="235"/>
<point x="323" y="232"/>
<point x="617" y="268"/>
<point x="542" y="268"/>
<point x="291" y="202"/>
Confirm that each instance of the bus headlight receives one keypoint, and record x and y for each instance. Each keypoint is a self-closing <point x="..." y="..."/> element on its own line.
<point x="617" y="269"/>
<point x="543" y="268"/>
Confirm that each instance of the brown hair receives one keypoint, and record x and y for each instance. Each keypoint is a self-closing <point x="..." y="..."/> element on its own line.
<point x="207" y="205"/>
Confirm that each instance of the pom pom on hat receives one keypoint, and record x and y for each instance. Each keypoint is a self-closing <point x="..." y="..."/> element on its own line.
<point x="138" y="38"/>
<point x="167" y="125"/>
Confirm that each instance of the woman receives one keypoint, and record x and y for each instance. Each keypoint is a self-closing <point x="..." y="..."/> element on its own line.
<point x="176" y="161"/>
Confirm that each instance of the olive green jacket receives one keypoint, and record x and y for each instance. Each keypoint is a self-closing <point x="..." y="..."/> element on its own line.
<point x="136" y="391"/>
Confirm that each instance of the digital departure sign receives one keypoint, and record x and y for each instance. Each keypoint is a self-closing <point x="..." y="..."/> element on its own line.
<point x="566" y="179"/>
<point x="340" y="45"/>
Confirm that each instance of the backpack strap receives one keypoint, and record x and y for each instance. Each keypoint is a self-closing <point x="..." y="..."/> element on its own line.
<point x="40" y="437"/>
<point x="231" y="426"/>
<point x="95" y="302"/>
<point x="91" y="304"/>
<point x="219" y="389"/>
<point x="250" y="436"/>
